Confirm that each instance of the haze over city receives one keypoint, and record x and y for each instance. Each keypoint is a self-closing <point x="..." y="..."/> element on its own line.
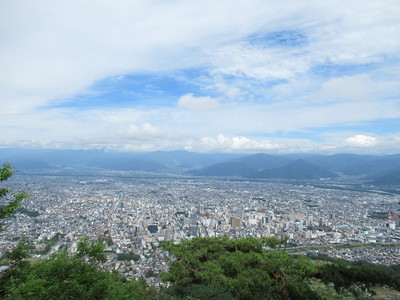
<point x="228" y="76"/>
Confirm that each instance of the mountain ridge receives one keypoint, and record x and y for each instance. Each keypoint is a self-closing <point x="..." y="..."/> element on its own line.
<point x="370" y="167"/>
<point x="298" y="169"/>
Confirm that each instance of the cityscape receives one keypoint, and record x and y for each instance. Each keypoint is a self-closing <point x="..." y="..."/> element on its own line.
<point x="200" y="150"/>
<point x="133" y="212"/>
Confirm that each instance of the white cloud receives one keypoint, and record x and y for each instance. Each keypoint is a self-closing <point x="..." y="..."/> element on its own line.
<point x="254" y="62"/>
<point x="359" y="87"/>
<point x="54" y="51"/>
<point x="191" y="102"/>
<point x="238" y="144"/>
<point x="231" y="92"/>
<point x="144" y="132"/>
<point x="360" y="140"/>
<point x="171" y="127"/>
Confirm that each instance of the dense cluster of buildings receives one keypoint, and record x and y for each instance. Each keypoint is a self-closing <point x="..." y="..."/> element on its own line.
<point x="135" y="213"/>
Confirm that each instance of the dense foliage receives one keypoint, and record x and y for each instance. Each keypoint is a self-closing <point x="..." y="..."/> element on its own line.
<point x="202" y="268"/>
<point x="63" y="276"/>
<point x="91" y="250"/>
<point x="5" y="173"/>
<point x="128" y="256"/>
<point x="223" y="268"/>
<point x="67" y="276"/>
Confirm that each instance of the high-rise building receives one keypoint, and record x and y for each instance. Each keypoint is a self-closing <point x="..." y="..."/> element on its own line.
<point x="235" y="222"/>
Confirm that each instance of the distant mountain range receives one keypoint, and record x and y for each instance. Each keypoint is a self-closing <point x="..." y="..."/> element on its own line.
<point x="341" y="163"/>
<point x="266" y="166"/>
<point x="383" y="169"/>
<point x="27" y="164"/>
<point x="34" y="159"/>
<point x="298" y="169"/>
<point x="390" y="178"/>
<point x="246" y="166"/>
<point x="379" y="170"/>
<point x="264" y="161"/>
<point x="374" y="166"/>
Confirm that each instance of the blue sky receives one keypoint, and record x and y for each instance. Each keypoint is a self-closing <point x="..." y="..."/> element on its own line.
<point x="207" y="76"/>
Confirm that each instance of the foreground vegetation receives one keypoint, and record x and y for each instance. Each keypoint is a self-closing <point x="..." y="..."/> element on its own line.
<point x="222" y="268"/>
<point x="202" y="268"/>
<point x="63" y="276"/>
<point x="15" y="200"/>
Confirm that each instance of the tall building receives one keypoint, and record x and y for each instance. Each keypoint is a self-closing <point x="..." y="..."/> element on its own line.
<point x="235" y="222"/>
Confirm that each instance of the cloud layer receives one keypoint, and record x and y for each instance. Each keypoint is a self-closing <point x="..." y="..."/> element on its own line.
<point x="251" y="76"/>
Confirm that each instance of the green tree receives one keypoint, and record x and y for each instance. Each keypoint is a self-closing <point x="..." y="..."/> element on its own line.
<point x="216" y="268"/>
<point x="128" y="256"/>
<point x="19" y="253"/>
<point x="362" y="274"/>
<point x="5" y="173"/>
<point x="91" y="250"/>
<point x="63" y="276"/>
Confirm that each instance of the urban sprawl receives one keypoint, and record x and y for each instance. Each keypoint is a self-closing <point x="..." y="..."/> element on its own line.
<point x="133" y="214"/>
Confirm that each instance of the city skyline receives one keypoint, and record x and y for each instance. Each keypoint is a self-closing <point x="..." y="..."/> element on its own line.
<point x="241" y="76"/>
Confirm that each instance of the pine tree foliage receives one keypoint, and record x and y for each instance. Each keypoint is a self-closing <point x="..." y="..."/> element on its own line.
<point x="216" y="268"/>
<point x="247" y="268"/>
